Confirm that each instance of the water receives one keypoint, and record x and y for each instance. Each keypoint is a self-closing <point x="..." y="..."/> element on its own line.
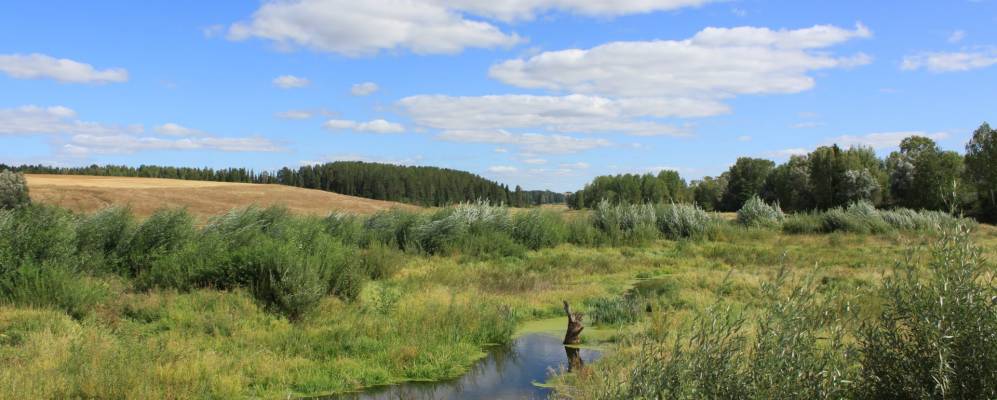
<point x="508" y="372"/>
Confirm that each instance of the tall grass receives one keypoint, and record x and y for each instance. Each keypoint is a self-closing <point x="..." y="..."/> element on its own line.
<point x="937" y="335"/>
<point x="863" y="217"/>
<point x="538" y="229"/>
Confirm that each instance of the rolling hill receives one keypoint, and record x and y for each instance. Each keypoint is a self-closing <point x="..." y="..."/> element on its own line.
<point x="146" y="195"/>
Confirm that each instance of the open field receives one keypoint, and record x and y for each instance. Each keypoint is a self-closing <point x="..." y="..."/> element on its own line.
<point x="146" y="195"/>
<point x="267" y="304"/>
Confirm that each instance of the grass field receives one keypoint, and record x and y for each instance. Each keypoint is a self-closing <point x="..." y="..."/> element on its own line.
<point x="146" y="195"/>
<point x="270" y="304"/>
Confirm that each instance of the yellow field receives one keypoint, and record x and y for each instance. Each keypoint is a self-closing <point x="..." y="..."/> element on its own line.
<point x="146" y="195"/>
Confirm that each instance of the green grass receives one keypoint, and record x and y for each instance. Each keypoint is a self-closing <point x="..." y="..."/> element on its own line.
<point x="260" y="303"/>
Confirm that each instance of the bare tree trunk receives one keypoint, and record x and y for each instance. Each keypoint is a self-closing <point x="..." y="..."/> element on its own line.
<point x="572" y="336"/>
<point x="575" y="362"/>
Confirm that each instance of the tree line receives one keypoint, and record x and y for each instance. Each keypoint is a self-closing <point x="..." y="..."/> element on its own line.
<point x="428" y="186"/>
<point x="919" y="175"/>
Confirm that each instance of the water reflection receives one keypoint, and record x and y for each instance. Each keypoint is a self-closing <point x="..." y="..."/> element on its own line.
<point x="507" y="373"/>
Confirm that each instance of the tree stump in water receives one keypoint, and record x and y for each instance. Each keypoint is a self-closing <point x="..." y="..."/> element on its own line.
<point x="573" y="335"/>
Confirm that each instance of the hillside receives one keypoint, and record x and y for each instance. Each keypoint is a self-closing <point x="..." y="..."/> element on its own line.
<point x="146" y="195"/>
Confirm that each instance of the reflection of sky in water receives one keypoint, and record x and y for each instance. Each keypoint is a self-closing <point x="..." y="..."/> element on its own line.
<point x="507" y="373"/>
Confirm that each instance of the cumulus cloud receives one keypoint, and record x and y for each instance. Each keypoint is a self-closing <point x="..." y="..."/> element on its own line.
<point x="956" y="61"/>
<point x="290" y="82"/>
<point x="82" y="138"/>
<point x="172" y="129"/>
<point x="356" y="28"/>
<point x="715" y="63"/>
<point x="534" y="161"/>
<point x="374" y="126"/>
<point x="527" y="142"/>
<point x="577" y="165"/>
<point x="41" y="66"/>
<point x="363" y="89"/>
<point x="572" y="113"/>
<point x="786" y="153"/>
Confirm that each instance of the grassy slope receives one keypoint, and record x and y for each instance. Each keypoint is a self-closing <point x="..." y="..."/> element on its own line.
<point x="146" y="195"/>
<point x="212" y="344"/>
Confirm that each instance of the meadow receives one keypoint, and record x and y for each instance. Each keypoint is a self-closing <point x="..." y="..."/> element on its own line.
<point x="263" y="302"/>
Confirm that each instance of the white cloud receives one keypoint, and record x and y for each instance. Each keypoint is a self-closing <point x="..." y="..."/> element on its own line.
<point x="501" y="150"/>
<point x="356" y="28"/>
<point x="172" y="129"/>
<point x="531" y="143"/>
<point x="572" y="113"/>
<point x="806" y="125"/>
<point x="744" y="138"/>
<point x="577" y="165"/>
<point x="84" y="138"/>
<point x="950" y="61"/>
<point x="38" y="66"/>
<point x="290" y="82"/>
<point x="534" y="161"/>
<point x="714" y="64"/>
<point x="957" y="36"/>
<point x="414" y="160"/>
<point x="295" y="114"/>
<point x="374" y="126"/>
<point x="364" y="89"/>
<point x="502" y="169"/>
<point x="882" y="140"/>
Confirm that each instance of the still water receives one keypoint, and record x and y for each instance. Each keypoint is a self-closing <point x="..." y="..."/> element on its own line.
<point x="508" y="372"/>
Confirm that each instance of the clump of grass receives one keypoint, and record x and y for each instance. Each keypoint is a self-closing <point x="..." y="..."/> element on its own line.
<point x="756" y="213"/>
<point x="863" y="217"/>
<point x="937" y="335"/>
<point x="102" y="236"/>
<point x="614" y="311"/>
<point x="164" y="232"/>
<point x="681" y="221"/>
<point x="460" y="223"/>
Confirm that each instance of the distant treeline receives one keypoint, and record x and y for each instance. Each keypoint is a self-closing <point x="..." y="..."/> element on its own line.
<point x="428" y="186"/>
<point x="919" y="176"/>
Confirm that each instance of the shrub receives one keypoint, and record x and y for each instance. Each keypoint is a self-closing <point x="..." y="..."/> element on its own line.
<point x="13" y="190"/>
<point x="36" y="233"/>
<point x="102" y="236"/>
<point x="802" y="223"/>
<point x="678" y="221"/>
<point x="937" y="335"/>
<point x="347" y="227"/>
<point x="756" y="213"/>
<point x="164" y="232"/>
<point x="537" y="229"/>
<point x="393" y="228"/>
<point x="626" y="223"/>
<point x="440" y="232"/>
<point x="581" y="232"/>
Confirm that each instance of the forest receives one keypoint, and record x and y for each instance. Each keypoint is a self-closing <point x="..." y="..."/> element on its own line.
<point x="919" y="175"/>
<point x="427" y="186"/>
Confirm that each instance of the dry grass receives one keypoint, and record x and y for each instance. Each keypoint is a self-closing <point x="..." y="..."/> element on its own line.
<point x="146" y="195"/>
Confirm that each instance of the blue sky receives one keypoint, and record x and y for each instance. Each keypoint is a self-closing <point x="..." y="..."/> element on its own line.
<point x="541" y="93"/>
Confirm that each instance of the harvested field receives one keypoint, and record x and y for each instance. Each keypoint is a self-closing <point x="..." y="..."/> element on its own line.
<point x="146" y="195"/>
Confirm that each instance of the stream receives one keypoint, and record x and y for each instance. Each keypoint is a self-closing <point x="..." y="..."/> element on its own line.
<point x="508" y="372"/>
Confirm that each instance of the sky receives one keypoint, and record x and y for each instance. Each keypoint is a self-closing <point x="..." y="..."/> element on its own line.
<point x="546" y="94"/>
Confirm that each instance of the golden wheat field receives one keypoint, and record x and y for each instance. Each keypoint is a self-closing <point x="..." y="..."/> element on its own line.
<point x="146" y="195"/>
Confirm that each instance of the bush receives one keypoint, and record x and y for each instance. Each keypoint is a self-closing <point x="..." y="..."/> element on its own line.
<point x="393" y="228"/>
<point x="756" y="213"/>
<point x="164" y="232"/>
<point x="679" y="221"/>
<point x="615" y="311"/>
<point x="439" y="234"/>
<point x="626" y="223"/>
<point x="13" y="190"/>
<point x="537" y="229"/>
<point x="102" y="236"/>
<point x="36" y="233"/>
<point x="803" y="223"/>
<point x="937" y="336"/>
<point x="581" y="232"/>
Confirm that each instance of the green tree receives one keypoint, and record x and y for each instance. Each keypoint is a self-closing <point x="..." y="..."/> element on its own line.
<point x="709" y="191"/>
<point x="746" y="179"/>
<point x="922" y="176"/>
<point x="981" y="169"/>
<point x="789" y="185"/>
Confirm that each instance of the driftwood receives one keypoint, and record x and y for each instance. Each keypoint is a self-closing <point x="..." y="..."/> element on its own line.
<point x="573" y="335"/>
